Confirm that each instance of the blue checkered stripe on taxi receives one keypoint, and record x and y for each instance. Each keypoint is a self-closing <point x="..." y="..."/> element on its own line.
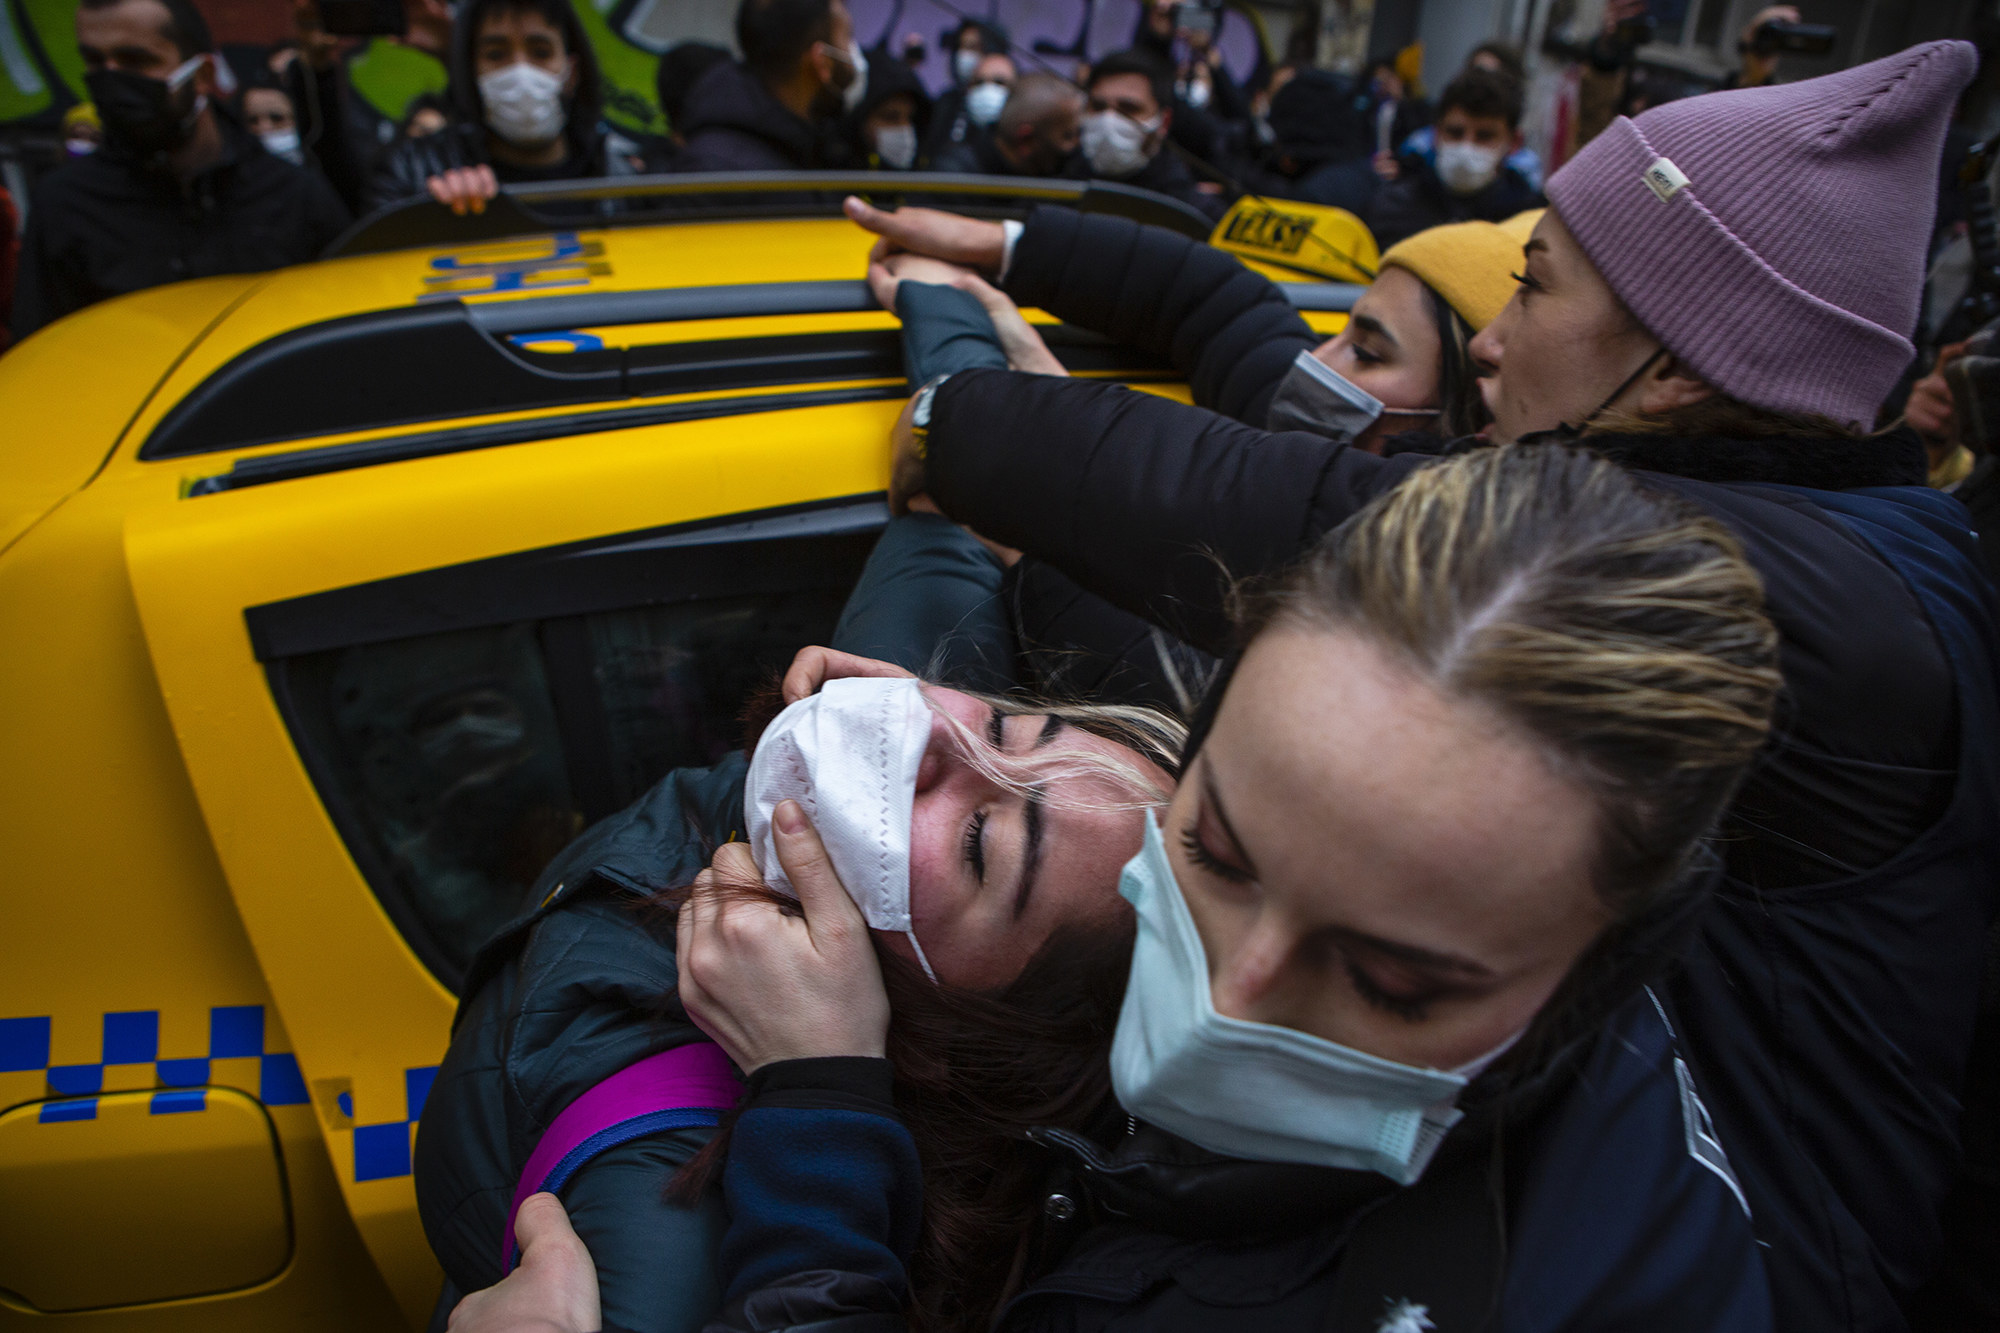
<point x="133" y="1038"/>
<point x="382" y="1150"/>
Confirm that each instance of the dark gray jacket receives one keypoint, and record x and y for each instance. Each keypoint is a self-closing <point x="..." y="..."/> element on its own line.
<point x="573" y="992"/>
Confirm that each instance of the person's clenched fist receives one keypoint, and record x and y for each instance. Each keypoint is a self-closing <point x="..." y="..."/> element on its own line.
<point x="767" y="985"/>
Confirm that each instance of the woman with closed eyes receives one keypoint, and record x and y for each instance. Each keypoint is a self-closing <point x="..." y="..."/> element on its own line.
<point x="1387" y="1056"/>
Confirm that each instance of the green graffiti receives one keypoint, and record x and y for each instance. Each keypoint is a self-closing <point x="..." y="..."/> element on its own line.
<point x="631" y="99"/>
<point x="389" y="76"/>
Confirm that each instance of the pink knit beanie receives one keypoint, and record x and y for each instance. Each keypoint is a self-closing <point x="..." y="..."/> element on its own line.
<point x="1773" y="238"/>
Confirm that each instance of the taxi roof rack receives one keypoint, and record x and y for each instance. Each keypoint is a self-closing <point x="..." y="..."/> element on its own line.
<point x="729" y="196"/>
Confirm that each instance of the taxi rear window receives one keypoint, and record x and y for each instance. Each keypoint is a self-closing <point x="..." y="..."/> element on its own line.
<point x="463" y="725"/>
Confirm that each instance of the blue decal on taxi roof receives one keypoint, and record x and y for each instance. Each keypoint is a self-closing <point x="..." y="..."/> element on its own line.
<point x="566" y="261"/>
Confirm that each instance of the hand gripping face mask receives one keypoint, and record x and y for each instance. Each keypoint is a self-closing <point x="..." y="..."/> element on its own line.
<point x="1315" y="397"/>
<point x="849" y="755"/>
<point x="1255" y="1090"/>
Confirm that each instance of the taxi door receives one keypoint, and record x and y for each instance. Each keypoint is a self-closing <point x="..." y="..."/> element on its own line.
<point x="400" y="688"/>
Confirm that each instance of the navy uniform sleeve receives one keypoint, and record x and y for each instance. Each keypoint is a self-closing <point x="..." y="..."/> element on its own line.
<point x="944" y="330"/>
<point x="824" y="1196"/>
<point x="1630" y="1217"/>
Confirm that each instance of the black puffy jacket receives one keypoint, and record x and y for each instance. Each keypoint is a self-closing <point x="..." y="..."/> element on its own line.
<point x="730" y="122"/>
<point x="575" y="991"/>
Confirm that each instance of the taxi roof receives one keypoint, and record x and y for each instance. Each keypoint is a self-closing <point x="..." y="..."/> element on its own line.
<point x="566" y="306"/>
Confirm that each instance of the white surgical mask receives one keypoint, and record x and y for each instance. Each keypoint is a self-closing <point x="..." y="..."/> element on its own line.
<point x="857" y="87"/>
<point x="1196" y="93"/>
<point x="849" y="755"/>
<point x="1467" y="168"/>
<point x="283" y="143"/>
<point x="897" y="146"/>
<point x="965" y="64"/>
<point x="524" y="103"/>
<point x="1115" y="144"/>
<point x="983" y="102"/>
<point x="1255" y="1090"/>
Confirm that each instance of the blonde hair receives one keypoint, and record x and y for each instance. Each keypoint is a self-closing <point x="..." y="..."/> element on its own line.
<point x="1151" y="734"/>
<point x="1619" y="629"/>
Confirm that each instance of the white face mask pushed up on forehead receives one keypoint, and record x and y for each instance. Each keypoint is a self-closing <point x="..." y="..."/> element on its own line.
<point x="849" y="755"/>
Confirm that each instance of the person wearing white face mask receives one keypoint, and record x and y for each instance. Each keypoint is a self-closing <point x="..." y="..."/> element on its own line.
<point x="1370" y="950"/>
<point x="976" y="51"/>
<point x="886" y="131"/>
<point x="1125" y="131"/>
<point x="527" y="97"/>
<point x="1464" y="174"/>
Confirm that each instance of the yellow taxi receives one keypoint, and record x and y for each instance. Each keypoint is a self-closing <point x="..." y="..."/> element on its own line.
<point x="338" y="599"/>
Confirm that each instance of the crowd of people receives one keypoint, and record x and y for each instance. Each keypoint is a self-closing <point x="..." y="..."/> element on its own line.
<point x="186" y="163"/>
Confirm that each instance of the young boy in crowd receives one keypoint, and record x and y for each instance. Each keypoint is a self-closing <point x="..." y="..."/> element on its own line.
<point x="1464" y="175"/>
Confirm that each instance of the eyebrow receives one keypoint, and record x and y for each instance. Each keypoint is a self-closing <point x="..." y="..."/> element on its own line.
<point x="1370" y="324"/>
<point x="1408" y="953"/>
<point x="1031" y="863"/>
<point x="1051" y="726"/>
<point x="1214" y="800"/>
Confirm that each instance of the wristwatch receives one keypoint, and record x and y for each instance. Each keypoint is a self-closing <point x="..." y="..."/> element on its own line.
<point x="920" y="412"/>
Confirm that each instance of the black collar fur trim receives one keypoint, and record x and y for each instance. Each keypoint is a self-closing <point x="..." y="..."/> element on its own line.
<point x="1834" y="463"/>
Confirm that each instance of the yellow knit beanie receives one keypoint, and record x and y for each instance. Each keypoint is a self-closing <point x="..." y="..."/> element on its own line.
<point x="1470" y="264"/>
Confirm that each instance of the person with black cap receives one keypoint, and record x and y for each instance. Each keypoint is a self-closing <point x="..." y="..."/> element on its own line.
<point x="179" y="189"/>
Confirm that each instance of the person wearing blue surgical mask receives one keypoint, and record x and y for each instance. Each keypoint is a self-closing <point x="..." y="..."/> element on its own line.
<point x="1370" y="951"/>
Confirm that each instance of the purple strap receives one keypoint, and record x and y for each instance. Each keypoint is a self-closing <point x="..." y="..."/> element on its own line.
<point x="689" y="1085"/>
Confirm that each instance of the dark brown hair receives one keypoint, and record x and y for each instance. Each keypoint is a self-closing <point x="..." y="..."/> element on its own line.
<point x="1461" y="407"/>
<point x="973" y="1073"/>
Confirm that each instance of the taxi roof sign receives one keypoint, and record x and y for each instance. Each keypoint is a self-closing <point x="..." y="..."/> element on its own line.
<point x="1302" y="240"/>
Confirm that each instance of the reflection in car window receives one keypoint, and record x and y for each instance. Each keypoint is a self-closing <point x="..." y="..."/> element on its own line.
<point x="458" y="764"/>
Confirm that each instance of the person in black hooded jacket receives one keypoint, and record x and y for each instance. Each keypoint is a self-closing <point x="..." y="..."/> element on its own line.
<point x="775" y="110"/>
<point x="1825" y="1002"/>
<point x="525" y="86"/>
